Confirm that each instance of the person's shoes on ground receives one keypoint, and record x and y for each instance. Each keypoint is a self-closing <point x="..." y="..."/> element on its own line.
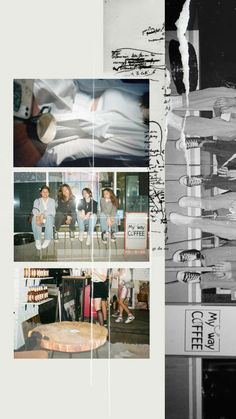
<point x="119" y="319"/>
<point x="129" y="319"/>
<point x="116" y="314"/>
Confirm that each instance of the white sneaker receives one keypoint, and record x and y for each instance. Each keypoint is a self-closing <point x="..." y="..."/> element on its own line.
<point x="119" y="319"/>
<point x="88" y="240"/>
<point x="116" y="314"/>
<point x="81" y="236"/>
<point x="129" y="319"/>
<point x="38" y="244"/>
<point x="190" y="201"/>
<point x="45" y="244"/>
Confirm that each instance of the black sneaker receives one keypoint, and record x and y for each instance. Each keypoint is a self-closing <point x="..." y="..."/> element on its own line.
<point x="56" y="238"/>
<point x="113" y="236"/>
<point x="187" y="255"/>
<point x="189" y="143"/>
<point x="72" y="235"/>
<point x="104" y="237"/>
<point x="191" y="181"/>
<point x="187" y="277"/>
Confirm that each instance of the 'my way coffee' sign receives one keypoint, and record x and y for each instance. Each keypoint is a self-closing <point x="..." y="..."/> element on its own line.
<point x="194" y="329"/>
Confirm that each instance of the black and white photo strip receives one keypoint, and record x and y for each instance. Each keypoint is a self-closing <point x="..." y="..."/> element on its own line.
<point x="200" y="170"/>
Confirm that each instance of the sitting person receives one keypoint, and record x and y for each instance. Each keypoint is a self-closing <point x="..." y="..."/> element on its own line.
<point x="87" y="215"/>
<point x="222" y="225"/>
<point x="220" y="99"/>
<point x="66" y="210"/>
<point x="222" y="260"/>
<point x="44" y="209"/>
<point x="108" y="215"/>
<point x="226" y="159"/>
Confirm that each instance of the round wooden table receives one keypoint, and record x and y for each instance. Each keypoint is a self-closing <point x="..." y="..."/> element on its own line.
<point x="70" y="336"/>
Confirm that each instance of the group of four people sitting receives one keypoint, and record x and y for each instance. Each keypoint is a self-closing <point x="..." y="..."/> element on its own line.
<point x="51" y="215"/>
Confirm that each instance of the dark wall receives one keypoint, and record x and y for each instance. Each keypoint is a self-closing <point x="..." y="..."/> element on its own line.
<point x="216" y="21"/>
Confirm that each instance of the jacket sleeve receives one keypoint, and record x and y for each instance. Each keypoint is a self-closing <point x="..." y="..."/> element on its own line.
<point x="73" y="206"/>
<point x="95" y="207"/>
<point x="80" y="205"/>
<point x="113" y="211"/>
<point x="52" y="207"/>
<point x="36" y="207"/>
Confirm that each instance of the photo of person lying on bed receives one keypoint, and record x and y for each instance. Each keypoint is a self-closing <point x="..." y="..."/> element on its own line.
<point x="82" y="122"/>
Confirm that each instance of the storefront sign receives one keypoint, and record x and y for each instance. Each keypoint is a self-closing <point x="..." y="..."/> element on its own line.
<point x="200" y="330"/>
<point x="136" y="230"/>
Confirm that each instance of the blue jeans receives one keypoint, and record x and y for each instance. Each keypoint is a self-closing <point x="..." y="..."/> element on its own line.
<point x="104" y="224"/>
<point x="37" y="229"/>
<point x="91" y="222"/>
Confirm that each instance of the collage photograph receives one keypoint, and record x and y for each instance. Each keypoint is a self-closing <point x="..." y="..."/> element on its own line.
<point x="118" y="229"/>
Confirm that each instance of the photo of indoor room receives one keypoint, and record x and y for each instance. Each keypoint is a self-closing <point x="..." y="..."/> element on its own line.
<point x="81" y="122"/>
<point x="94" y="216"/>
<point x="81" y="313"/>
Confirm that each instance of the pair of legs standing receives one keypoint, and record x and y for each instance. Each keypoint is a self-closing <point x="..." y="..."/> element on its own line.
<point x="123" y="294"/>
<point x="99" y="294"/>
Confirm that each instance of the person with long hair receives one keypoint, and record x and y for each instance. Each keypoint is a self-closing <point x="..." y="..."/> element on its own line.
<point x="87" y="214"/>
<point x="44" y="209"/>
<point x="108" y="216"/>
<point x="66" y="210"/>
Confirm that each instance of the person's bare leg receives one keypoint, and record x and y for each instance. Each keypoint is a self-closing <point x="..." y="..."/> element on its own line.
<point x="98" y="308"/>
<point x="223" y="228"/>
<point x="202" y="100"/>
<point x="210" y="203"/>
<point x="124" y="307"/>
<point x="104" y="309"/>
